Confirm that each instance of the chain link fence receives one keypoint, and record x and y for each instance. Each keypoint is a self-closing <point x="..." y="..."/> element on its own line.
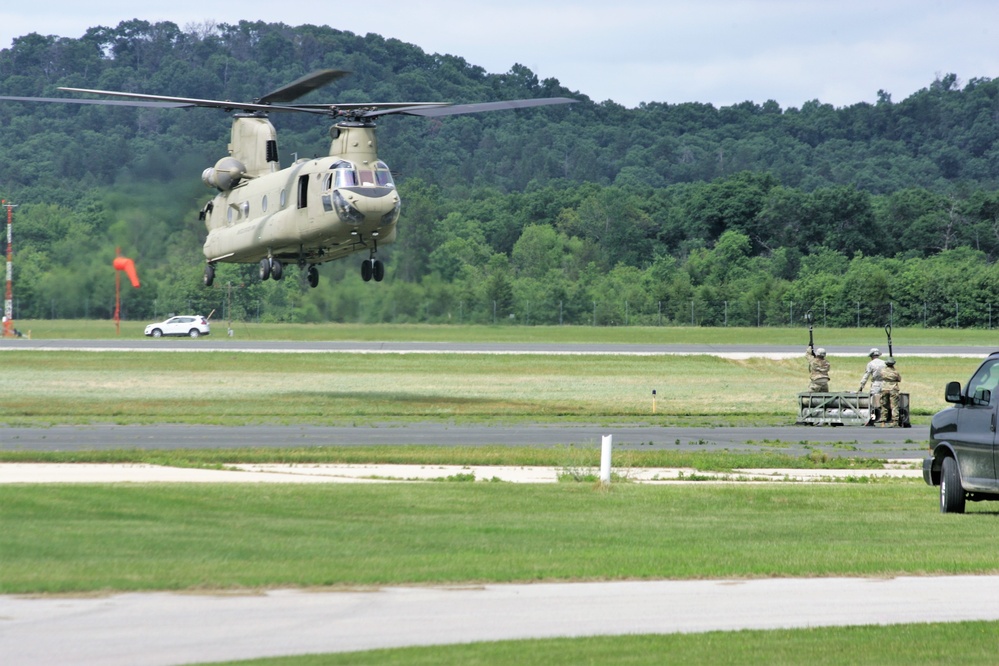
<point x="580" y="312"/>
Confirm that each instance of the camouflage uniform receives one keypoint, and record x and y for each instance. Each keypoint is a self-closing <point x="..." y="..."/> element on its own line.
<point x="818" y="372"/>
<point x="891" y="395"/>
<point x="873" y="372"/>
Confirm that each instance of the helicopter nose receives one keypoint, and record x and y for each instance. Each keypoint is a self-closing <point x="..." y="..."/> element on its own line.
<point x="358" y="207"/>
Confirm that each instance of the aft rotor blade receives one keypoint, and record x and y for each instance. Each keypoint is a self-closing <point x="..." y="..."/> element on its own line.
<point x="302" y="86"/>
<point x="459" y="109"/>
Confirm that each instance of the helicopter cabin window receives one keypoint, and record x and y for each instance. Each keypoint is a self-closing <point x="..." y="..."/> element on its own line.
<point x="263" y="204"/>
<point x="303" y="191"/>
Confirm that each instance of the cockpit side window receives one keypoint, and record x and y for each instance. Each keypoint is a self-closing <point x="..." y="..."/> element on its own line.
<point x="383" y="176"/>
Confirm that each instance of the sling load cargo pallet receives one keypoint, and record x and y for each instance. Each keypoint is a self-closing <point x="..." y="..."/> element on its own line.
<point x="838" y="409"/>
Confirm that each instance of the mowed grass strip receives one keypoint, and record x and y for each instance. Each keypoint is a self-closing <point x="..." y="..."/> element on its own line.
<point x="968" y="643"/>
<point x="584" y="459"/>
<point x="226" y="388"/>
<point x="72" y="539"/>
<point x="867" y="336"/>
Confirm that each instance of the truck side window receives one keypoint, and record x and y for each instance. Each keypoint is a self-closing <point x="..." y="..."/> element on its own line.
<point x="987" y="378"/>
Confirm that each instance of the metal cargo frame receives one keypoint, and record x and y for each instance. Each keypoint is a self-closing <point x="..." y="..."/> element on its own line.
<point x="841" y="409"/>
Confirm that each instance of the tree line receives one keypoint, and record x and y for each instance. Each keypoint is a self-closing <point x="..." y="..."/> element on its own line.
<point x="589" y="213"/>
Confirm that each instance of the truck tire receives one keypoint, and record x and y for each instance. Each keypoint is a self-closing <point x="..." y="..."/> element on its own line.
<point x="951" y="492"/>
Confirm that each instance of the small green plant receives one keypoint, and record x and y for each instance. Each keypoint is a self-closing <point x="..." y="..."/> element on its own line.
<point x="818" y="457"/>
<point x="462" y="477"/>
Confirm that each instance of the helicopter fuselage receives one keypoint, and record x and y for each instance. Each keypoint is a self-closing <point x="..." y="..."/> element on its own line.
<point x="314" y="211"/>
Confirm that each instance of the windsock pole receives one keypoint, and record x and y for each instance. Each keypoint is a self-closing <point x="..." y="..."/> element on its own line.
<point x="8" y="303"/>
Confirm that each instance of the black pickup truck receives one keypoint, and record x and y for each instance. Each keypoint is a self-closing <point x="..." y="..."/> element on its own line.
<point x="963" y="441"/>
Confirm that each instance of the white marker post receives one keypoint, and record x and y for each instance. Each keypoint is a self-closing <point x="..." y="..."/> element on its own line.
<point x="605" y="458"/>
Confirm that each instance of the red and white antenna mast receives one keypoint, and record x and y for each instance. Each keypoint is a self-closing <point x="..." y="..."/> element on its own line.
<point x="8" y="303"/>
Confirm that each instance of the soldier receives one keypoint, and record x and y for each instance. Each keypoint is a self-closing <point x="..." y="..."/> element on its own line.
<point x="891" y="394"/>
<point x="873" y="372"/>
<point x="818" y="370"/>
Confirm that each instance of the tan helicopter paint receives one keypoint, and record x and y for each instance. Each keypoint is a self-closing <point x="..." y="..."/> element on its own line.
<point x="292" y="228"/>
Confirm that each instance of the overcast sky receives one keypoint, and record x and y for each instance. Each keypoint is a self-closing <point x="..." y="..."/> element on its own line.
<point x="720" y="52"/>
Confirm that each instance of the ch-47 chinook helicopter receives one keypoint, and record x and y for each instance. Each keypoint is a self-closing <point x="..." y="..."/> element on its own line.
<point x="315" y="210"/>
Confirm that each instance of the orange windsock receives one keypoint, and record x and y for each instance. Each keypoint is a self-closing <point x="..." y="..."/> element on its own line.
<point x="127" y="265"/>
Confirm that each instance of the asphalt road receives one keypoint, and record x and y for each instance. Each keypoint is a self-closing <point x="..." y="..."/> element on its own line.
<point x="165" y="628"/>
<point x="794" y="440"/>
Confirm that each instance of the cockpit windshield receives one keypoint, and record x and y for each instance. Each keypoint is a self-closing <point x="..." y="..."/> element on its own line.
<point x="346" y="174"/>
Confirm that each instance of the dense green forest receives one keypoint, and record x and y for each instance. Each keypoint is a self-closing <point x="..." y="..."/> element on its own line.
<point x="590" y="213"/>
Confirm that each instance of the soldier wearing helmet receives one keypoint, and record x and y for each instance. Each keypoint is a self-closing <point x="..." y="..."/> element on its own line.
<point x="891" y="394"/>
<point x="818" y="370"/>
<point x="873" y="372"/>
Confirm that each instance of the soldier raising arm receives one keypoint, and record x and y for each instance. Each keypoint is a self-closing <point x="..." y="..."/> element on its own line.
<point x="818" y="370"/>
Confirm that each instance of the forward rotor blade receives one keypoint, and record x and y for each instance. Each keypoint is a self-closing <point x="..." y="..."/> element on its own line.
<point x="177" y="101"/>
<point x="106" y="102"/>
<point x="303" y="86"/>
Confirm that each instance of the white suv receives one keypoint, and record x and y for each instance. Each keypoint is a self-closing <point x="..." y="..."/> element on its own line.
<point x="192" y="325"/>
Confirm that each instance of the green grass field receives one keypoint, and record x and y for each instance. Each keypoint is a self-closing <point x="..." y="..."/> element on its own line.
<point x="970" y="643"/>
<point x="102" y="538"/>
<point x="45" y="388"/>
<point x="69" y="538"/>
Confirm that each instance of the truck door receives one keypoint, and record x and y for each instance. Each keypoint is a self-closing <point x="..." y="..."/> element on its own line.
<point x="975" y="439"/>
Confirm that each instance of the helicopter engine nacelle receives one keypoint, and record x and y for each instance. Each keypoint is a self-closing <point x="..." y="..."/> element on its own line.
<point x="225" y="175"/>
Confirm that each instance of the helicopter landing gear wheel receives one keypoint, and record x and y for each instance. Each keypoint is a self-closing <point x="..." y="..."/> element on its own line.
<point x="209" y="275"/>
<point x="265" y="268"/>
<point x="277" y="269"/>
<point x="372" y="268"/>
<point x="313" y="276"/>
